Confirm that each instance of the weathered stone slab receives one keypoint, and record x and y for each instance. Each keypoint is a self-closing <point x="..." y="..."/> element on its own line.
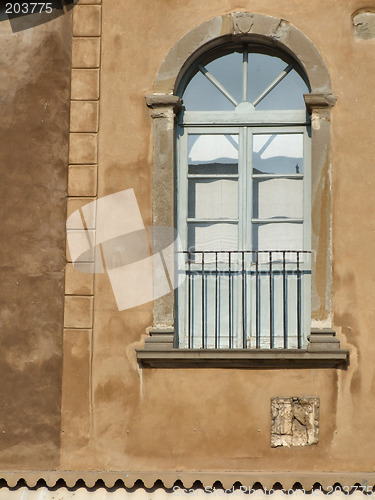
<point x="294" y="421"/>
<point x="364" y="25"/>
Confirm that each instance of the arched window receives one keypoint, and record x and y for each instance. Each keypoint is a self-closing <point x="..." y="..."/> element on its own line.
<point x="243" y="201"/>
<point x="233" y="171"/>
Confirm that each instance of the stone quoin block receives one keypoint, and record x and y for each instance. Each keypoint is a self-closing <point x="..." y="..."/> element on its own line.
<point x="86" y="53"/>
<point x="83" y="148"/>
<point x="85" y="84"/>
<point x="82" y="180"/>
<point x="81" y="281"/>
<point x="84" y="116"/>
<point x="78" y="311"/>
<point x="87" y="20"/>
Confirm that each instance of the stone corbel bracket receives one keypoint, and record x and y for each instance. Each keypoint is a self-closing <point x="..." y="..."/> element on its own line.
<point x="319" y="101"/>
<point x="163" y="105"/>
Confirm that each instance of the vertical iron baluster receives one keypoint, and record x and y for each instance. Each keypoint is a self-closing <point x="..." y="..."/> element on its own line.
<point x="298" y="301"/>
<point x="256" y="300"/>
<point x="189" y="300"/>
<point x="271" y="311"/>
<point x="243" y="301"/>
<point x="230" y="302"/>
<point x="202" y="253"/>
<point x="284" y="303"/>
<point x="216" y="343"/>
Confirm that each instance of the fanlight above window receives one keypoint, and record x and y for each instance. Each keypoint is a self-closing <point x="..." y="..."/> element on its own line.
<point x="245" y="79"/>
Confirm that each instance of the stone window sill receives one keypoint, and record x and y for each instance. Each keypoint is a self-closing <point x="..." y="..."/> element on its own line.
<point x="323" y="351"/>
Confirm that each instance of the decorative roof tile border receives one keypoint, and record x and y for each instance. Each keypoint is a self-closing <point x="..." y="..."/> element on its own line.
<point x="261" y="480"/>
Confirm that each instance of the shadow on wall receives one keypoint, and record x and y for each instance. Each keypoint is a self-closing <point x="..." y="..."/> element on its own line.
<point x="26" y="15"/>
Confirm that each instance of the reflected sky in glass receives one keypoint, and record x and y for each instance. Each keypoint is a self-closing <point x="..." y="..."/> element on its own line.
<point x="212" y="148"/>
<point x="278" y="153"/>
<point x="202" y="95"/>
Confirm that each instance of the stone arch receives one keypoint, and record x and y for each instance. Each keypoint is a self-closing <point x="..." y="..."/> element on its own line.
<point x="242" y="26"/>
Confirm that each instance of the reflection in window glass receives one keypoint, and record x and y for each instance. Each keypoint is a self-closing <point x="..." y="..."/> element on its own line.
<point x="263" y="70"/>
<point x="288" y="94"/>
<point x="278" y="154"/>
<point x="213" y="149"/>
<point x="224" y="69"/>
<point x="201" y="94"/>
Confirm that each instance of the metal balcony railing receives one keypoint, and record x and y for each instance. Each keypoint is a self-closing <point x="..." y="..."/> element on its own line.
<point x="245" y="299"/>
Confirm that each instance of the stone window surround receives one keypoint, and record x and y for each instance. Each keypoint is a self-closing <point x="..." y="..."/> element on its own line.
<point x="324" y="348"/>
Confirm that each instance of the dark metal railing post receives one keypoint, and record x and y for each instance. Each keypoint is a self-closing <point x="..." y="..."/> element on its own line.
<point x="203" y="318"/>
<point x="230" y="300"/>
<point x="216" y="318"/>
<point x="243" y="302"/>
<point x="298" y="301"/>
<point x="284" y="304"/>
<point x="257" y="340"/>
<point x="189" y="301"/>
<point x="271" y="310"/>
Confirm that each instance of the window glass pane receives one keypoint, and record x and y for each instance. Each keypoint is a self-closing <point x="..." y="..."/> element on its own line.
<point x="212" y="148"/>
<point x="206" y="236"/>
<point x="214" y="169"/>
<point x="277" y="154"/>
<point x="278" y="236"/>
<point x="275" y="198"/>
<point x="202" y="95"/>
<point x="213" y="198"/>
<point x="228" y="71"/>
<point x="263" y="70"/>
<point x="288" y="94"/>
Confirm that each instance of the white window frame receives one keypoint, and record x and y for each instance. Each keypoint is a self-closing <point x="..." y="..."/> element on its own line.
<point x="294" y="122"/>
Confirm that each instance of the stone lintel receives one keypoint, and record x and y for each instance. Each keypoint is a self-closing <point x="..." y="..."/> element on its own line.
<point x="319" y="101"/>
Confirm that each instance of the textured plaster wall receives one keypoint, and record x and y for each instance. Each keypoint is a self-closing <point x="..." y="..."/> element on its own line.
<point x="34" y="120"/>
<point x="214" y="419"/>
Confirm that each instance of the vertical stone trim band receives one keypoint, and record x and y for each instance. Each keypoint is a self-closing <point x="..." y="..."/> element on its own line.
<point x="164" y="108"/>
<point x="319" y="106"/>
<point x="82" y="189"/>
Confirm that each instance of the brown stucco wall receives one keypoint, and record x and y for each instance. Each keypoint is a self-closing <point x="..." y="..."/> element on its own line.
<point x="117" y="416"/>
<point x="34" y="125"/>
<point x="215" y="419"/>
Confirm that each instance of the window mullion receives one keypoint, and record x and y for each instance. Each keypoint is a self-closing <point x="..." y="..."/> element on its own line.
<point x="242" y="237"/>
<point x="182" y="183"/>
<point x="249" y="188"/>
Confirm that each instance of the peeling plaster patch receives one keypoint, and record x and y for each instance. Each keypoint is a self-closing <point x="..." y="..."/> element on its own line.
<point x="315" y="120"/>
<point x="364" y="25"/>
<point x="294" y="421"/>
<point x="281" y="30"/>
